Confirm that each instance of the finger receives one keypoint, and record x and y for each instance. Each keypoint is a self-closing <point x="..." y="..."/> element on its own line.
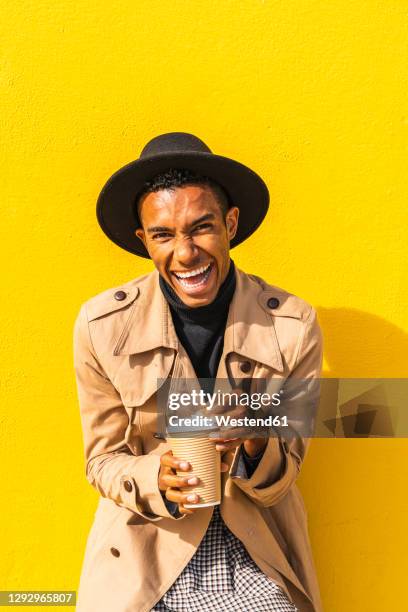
<point x="221" y="440"/>
<point x="184" y="510"/>
<point x="181" y="498"/>
<point x="164" y="471"/>
<point x="224" y="467"/>
<point x="171" y="480"/>
<point x="228" y="445"/>
<point x="176" y="463"/>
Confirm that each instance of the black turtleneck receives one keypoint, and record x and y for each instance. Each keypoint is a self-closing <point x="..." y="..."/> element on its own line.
<point x="201" y="330"/>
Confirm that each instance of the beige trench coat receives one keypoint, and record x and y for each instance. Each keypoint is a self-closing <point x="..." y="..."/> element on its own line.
<point x="136" y="549"/>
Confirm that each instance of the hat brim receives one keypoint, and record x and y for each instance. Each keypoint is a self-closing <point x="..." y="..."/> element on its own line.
<point x="116" y="206"/>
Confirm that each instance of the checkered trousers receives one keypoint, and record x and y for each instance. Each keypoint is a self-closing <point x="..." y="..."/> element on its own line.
<point x="222" y="577"/>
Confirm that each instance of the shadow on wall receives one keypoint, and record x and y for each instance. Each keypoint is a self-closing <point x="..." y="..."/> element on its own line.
<point x="358" y="399"/>
<point x="351" y="486"/>
<point x="361" y="345"/>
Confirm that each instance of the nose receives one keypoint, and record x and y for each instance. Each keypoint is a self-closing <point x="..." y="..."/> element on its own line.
<point x="186" y="251"/>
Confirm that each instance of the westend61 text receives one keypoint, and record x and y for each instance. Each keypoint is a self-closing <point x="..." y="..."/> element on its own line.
<point x="228" y="421"/>
<point x="209" y="400"/>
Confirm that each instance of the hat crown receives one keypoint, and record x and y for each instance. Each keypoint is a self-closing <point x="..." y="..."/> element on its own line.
<point x="116" y="210"/>
<point x="174" y="142"/>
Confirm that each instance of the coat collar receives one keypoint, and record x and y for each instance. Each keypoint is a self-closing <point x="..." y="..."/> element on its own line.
<point x="249" y="329"/>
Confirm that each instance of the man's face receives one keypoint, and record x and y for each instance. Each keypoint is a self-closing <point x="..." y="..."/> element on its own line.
<point x="185" y="235"/>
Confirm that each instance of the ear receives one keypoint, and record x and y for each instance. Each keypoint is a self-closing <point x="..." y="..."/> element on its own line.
<point x="231" y="221"/>
<point x="141" y="235"/>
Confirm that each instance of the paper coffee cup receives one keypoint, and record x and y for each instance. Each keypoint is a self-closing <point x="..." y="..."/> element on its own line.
<point x="206" y="465"/>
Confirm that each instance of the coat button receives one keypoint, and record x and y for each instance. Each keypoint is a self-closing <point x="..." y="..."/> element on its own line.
<point x="245" y="366"/>
<point x="120" y="295"/>
<point x="273" y="303"/>
<point x="158" y="435"/>
<point x="128" y="485"/>
<point x="115" y="552"/>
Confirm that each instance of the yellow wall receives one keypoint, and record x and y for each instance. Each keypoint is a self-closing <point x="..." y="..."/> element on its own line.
<point x="310" y="94"/>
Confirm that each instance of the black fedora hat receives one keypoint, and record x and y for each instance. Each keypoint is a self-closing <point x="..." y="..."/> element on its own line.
<point x="116" y="207"/>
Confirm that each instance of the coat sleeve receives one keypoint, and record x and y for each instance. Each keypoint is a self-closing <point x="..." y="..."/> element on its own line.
<point x="112" y="469"/>
<point x="282" y="458"/>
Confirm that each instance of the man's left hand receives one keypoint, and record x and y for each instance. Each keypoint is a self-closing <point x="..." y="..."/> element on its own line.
<point x="252" y="446"/>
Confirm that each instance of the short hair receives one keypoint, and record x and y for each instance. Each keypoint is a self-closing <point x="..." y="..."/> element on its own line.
<point x="178" y="177"/>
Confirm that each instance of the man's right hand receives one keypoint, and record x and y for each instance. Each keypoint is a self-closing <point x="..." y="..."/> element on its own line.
<point x="173" y="485"/>
<point x="177" y="487"/>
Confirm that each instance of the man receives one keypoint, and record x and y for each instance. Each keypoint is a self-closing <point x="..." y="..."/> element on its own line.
<point x="196" y="315"/>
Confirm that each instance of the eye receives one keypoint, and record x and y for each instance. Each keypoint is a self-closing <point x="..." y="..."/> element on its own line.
<point x="161" y="235"/>
<point x="203" y="226"/>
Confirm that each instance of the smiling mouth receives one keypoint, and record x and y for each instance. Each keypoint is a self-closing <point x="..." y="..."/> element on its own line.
<point x="195" y="279"/>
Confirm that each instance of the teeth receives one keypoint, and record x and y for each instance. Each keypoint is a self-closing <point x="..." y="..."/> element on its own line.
<point x="192" y="286"/>
<point x="201" y="283"/>
<point x="194" y="272"/>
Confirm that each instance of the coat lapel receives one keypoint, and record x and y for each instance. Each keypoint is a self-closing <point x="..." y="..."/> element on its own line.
<point x="150" y="325"/>
<point x="149" y="340"/>
<point x="249" y="331"/>
<point x="250" y="336"/>
<point x="148" y="344"/>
